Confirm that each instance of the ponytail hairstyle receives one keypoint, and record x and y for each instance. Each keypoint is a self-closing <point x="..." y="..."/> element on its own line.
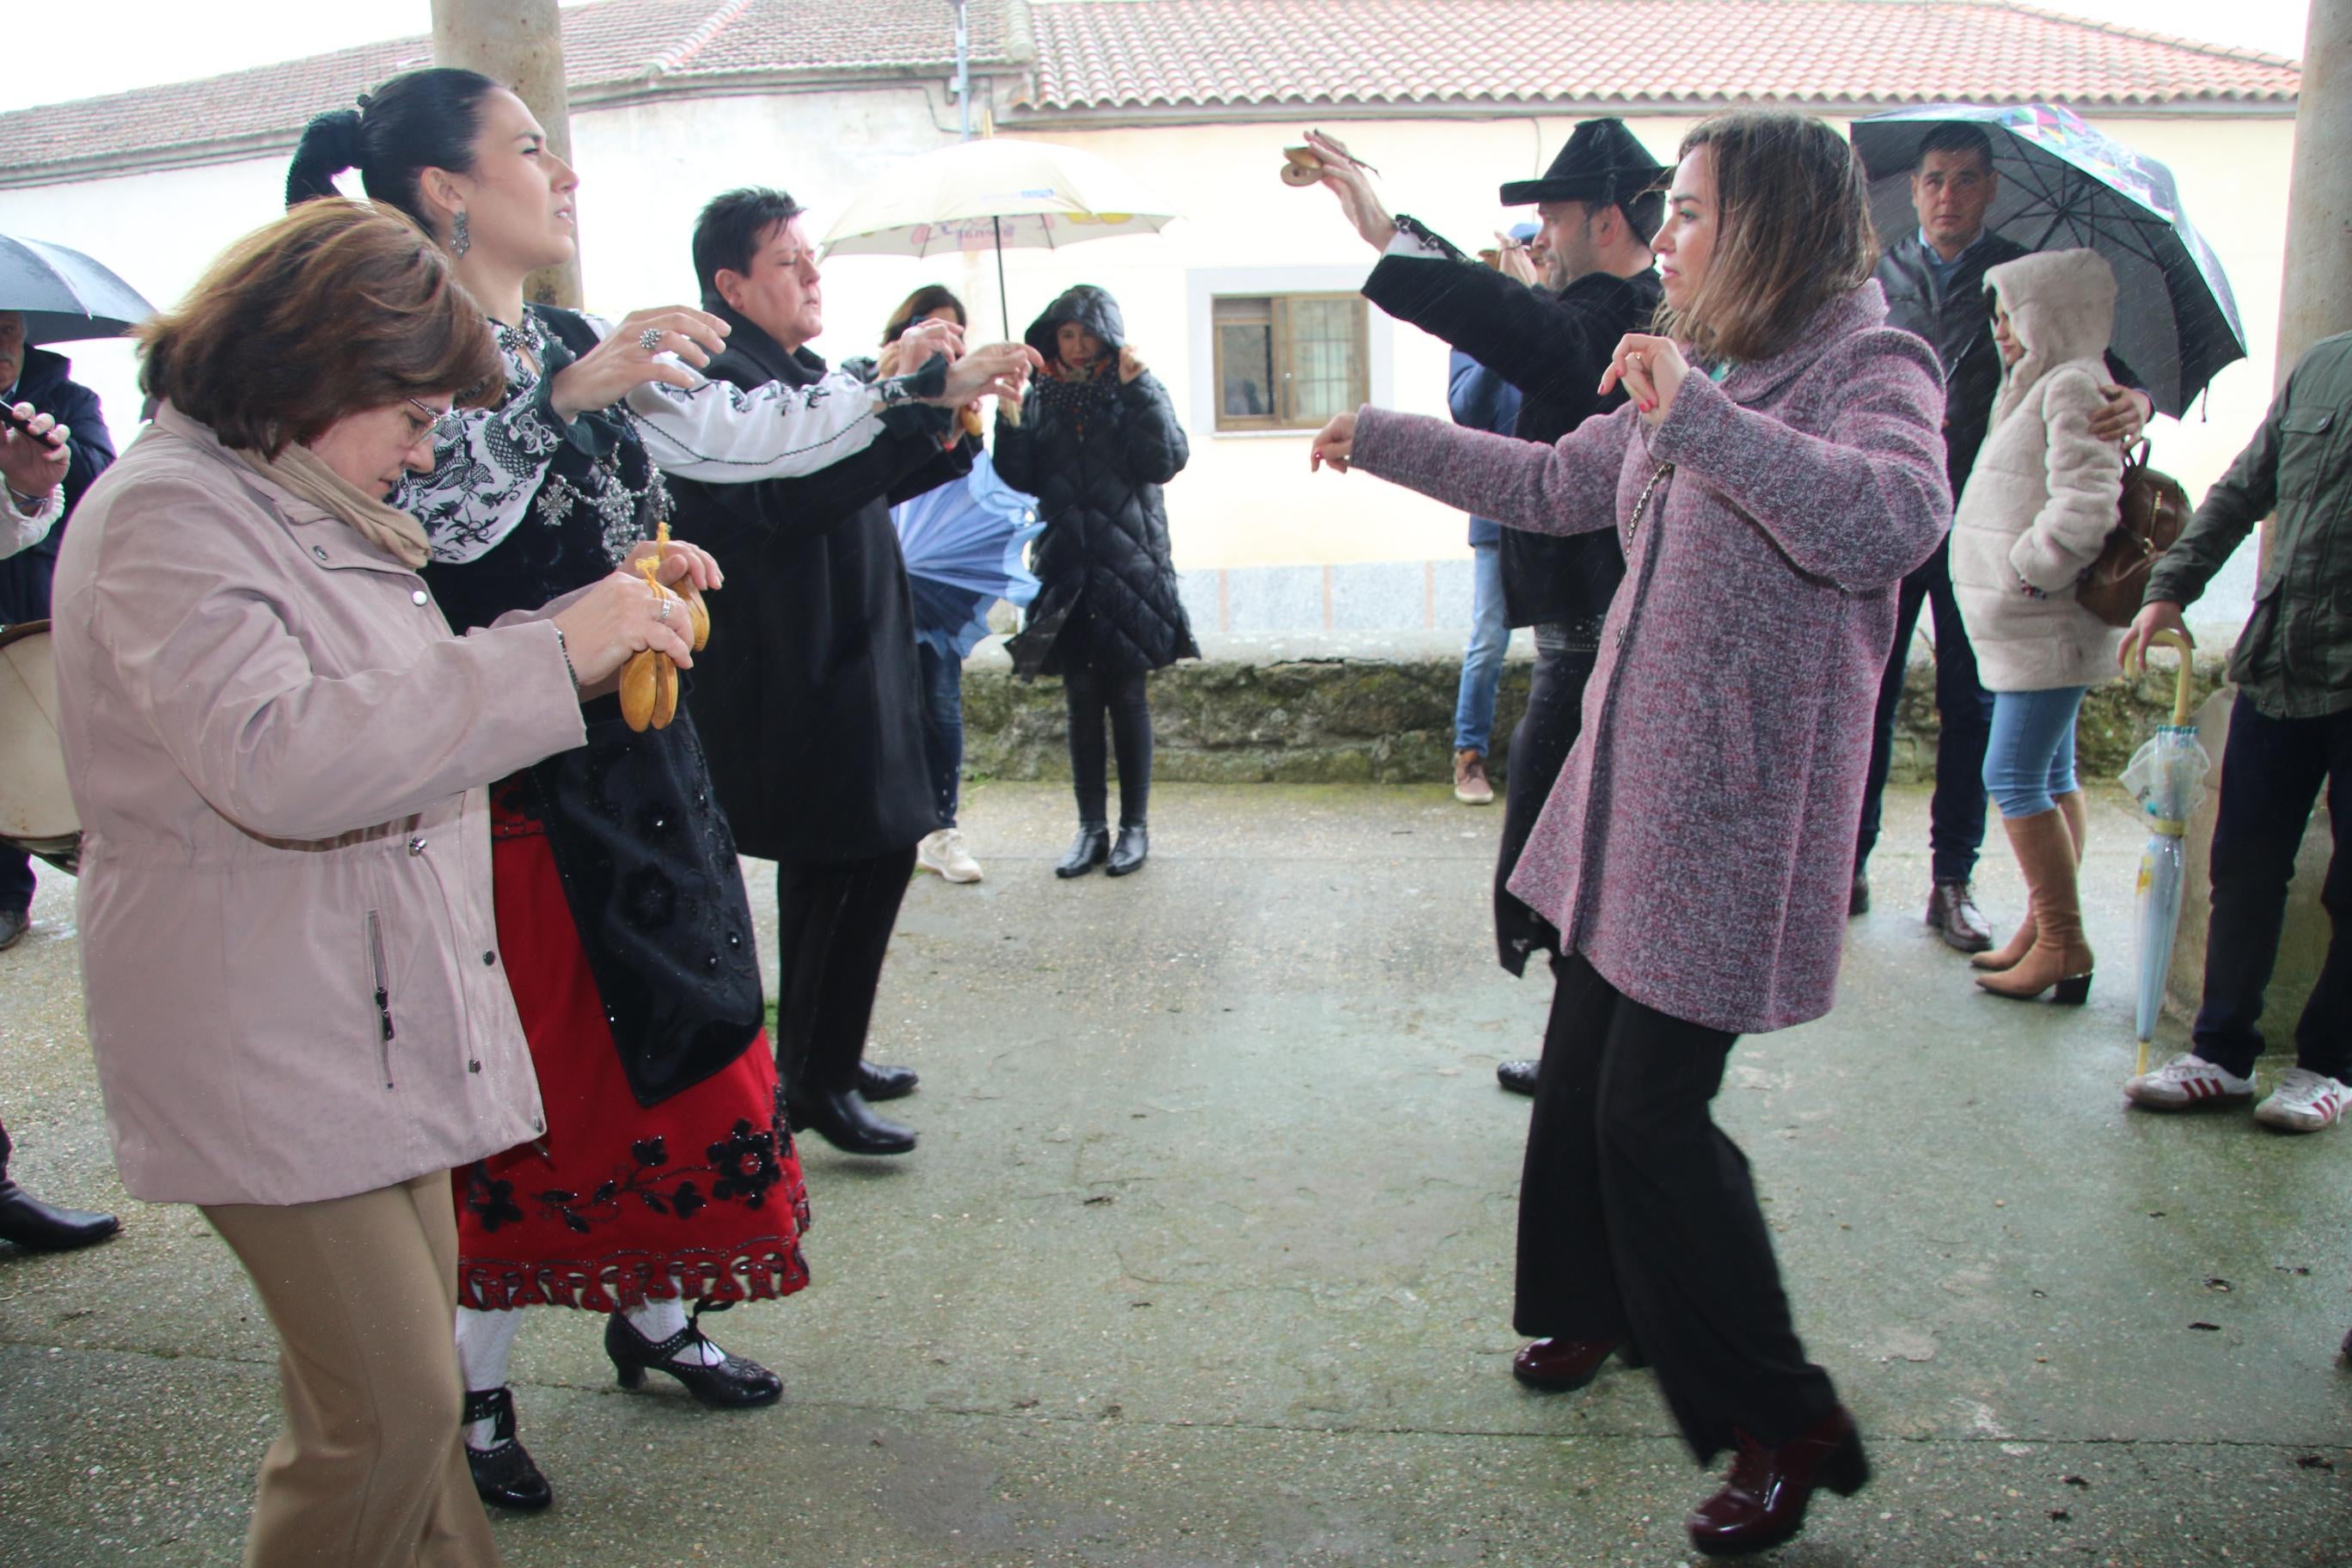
<point x="419" y="120"/>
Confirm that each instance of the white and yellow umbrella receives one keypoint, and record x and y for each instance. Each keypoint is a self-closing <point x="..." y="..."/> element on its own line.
<point x="990" y="194"/>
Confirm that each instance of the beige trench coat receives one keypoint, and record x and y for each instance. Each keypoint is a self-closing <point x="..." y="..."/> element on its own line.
<point x="277" y="749"/>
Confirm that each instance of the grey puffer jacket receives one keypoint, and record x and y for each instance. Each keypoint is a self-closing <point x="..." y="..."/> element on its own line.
<point x="2043" y="498"/>
<point x="1095" y="454"/>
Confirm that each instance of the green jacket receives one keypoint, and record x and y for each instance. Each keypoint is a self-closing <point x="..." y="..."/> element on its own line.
<point x="2295" y="658"/>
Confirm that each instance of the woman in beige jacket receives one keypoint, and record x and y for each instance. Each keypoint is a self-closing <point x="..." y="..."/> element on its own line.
<point x="2038" y="507"/>
<point x="277" y="749"/>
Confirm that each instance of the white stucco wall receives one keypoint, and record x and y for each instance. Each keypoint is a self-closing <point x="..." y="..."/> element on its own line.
<point x="1247" y="500"/>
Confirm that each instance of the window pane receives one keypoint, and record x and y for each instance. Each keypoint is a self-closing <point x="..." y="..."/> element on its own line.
<point x="1324" y="356"/>
<point x="1258" y="310"/>
<point x="1245" y="356"/>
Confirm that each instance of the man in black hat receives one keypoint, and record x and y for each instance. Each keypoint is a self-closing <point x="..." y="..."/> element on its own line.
<point x="1597" y="204"/>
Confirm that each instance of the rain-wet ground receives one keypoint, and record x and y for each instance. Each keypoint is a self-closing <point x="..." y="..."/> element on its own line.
<point x="1205" y="1257"/>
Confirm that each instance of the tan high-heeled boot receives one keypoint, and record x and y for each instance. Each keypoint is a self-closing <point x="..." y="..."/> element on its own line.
<point x="2078" y="825"/>
<point x="2059" y="956"/>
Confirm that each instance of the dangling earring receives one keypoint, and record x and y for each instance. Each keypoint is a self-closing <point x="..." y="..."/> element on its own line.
<point x="460" y="241"/>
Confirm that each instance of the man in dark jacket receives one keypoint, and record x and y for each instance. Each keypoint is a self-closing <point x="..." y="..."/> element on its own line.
<point x="1598" y="205"/>
<point x="35" y="475"/>
<point x="44" y="380"/>
<point x="1935" y="287"/>
<point x="808" y="698"/>
<point x="2290" y="735"/>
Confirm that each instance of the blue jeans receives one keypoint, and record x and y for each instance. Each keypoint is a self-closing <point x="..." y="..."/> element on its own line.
<point x="1964" y="710"/>
<point x="1482" y="661"/>
<point x="943" y="726"/>
<point x="2029" y="756"/>
<point x="2272" y="773"/>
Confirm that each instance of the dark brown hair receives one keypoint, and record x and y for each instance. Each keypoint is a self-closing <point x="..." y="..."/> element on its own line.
<point x="922" y="302"/>
<point x="1792" y="234"/>
<point x="336" y="307"/>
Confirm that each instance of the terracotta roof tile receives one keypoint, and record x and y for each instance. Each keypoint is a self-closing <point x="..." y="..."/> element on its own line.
<point x="1141" y="54"/>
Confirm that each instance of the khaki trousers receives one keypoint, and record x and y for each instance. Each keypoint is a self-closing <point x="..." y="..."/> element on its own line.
<point x="369" y="1471"/>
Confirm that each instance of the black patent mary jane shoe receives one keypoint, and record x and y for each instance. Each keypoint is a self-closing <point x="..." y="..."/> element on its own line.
<point x="1089" y="849"/>
<point x="1134" y="846"/>
<point x="504" y="1476"/>
<point x="843" y="1119"/>
<point x="734" y="1383"/>
<point x="876" y="1082"/>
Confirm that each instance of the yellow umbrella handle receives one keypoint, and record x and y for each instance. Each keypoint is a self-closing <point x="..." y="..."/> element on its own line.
<point x="2184" y="695"/>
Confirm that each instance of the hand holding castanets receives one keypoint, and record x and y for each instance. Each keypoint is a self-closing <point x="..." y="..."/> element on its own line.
<point x="1652" y="370"/>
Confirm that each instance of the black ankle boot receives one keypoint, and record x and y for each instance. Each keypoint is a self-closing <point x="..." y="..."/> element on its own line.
<point x="504" y="1476"/>
<point x="1133" y="848"/>
<point x="733" y="1385"/>
<point x="875" y="1082"/>
<point x="45" y="1227"/>
<point x="843" y="1119"/>
<point x="1089" y="849"/>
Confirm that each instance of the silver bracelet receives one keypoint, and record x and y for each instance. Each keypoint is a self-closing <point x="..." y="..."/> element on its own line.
<point x="565" y="649"/>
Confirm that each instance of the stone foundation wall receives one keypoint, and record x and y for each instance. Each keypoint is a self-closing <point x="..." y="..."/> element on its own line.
<point x="1374" y="714"/>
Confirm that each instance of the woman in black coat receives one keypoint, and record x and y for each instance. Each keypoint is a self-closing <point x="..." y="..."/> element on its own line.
<point x="1093" y="443"/>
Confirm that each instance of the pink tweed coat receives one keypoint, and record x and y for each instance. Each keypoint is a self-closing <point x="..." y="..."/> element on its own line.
<point x="1699" y="844"/>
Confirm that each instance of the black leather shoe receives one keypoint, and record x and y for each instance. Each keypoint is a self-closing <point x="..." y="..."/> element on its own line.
<point x="504" y="1476"/>
<point x="1133" y="848"/>
<point x="1952" y="913"/>
<point x="876" y="1082"/>
<point x="734" y="1383"/>
<point x="14" y="924"/>
<point x="842" y="1119"/>
<point x="1089" y="849"/>
<point x="1519" y="1077"/>
<point x="1857" y="900"/>
<point x="44" y="1227"/>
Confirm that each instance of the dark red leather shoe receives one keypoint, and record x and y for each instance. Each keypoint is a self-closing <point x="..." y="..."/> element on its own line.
<point x="1763" y="1501"/>
<point x="1557" y="1365"/>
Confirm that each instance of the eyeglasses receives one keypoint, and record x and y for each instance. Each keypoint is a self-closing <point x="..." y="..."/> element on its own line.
<point x="439" y="423"/>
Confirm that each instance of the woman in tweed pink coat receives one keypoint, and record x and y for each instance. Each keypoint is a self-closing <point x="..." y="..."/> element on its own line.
<point x="1778" y="472"/>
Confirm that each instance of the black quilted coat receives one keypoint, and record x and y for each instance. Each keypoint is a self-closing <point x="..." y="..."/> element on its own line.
<point x="1095" y="455"/>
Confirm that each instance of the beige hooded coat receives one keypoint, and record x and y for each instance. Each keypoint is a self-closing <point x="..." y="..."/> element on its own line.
<point x="278" y="749"/>
<point x="2042" y="497"/>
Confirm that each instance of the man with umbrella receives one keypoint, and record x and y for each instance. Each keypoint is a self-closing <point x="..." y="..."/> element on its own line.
<point x="811" y="707"/>
<point x="1934" y="279"/>
<point x="1599" y="203"/>
<point x="2290" y="735"/>
<point x="44" y="481"/>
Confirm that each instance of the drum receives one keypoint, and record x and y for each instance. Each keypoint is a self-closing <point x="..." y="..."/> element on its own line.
<point x="37" y="810"/>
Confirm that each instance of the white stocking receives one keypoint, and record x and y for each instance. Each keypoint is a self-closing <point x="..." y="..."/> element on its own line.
<point x="657" y="1320"/>
<point x="485" y="1346"/>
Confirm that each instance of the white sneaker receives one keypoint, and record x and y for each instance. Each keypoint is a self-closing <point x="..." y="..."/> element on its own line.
<point x="2185" y="1080"/>
<point x="943" y="852"/>
<point x="2304" y="1101"/>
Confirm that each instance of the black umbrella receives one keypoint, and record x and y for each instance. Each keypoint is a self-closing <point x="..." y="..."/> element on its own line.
<point x="2064" y="186"/>
<point x="64" y="294"/>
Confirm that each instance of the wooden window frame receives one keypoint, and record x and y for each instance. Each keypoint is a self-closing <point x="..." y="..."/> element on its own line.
<point x="1284" y="418"/>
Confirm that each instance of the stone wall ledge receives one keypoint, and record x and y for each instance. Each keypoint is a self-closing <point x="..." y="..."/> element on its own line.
<point x="1378" y="709"/>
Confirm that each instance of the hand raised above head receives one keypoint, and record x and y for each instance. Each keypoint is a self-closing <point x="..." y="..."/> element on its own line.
<point x="1346" y="180"/>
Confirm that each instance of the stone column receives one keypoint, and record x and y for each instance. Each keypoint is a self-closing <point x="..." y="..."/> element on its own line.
<point x="519" y="43"/>
<point x="2314" y="302"/>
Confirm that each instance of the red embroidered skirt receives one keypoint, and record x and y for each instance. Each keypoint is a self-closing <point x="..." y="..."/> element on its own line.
<point x="697" y="1198"/>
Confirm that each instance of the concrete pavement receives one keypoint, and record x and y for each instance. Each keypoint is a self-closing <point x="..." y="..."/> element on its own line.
<point x="1205" y="1257"/>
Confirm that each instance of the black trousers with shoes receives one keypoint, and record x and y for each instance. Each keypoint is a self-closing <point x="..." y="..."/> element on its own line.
<point x="1094" y="697"/>
<point x="1638" y="1220"/>
<point x="1540" y="743"/>
<point x="834" y="920"/>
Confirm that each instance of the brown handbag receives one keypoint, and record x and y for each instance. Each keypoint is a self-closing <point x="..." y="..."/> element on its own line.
<point x="2153" y="512"/>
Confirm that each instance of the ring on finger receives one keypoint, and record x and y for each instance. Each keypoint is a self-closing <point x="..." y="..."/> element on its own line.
<point x="650" y="339"/>
<point x="661" y="611"/>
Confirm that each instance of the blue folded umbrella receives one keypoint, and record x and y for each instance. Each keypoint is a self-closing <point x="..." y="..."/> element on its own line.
<point x="962" y="543"/>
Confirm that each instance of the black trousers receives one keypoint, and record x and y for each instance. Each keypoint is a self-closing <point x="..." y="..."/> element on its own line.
<point x="1637" y="1220"/>
<point x="1964" y="713"/>
<point x="1540" y="743"/>
<point x="2271" y="771"/>
<point x="834" y="920"/>
<point x="1095" y="696"/>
